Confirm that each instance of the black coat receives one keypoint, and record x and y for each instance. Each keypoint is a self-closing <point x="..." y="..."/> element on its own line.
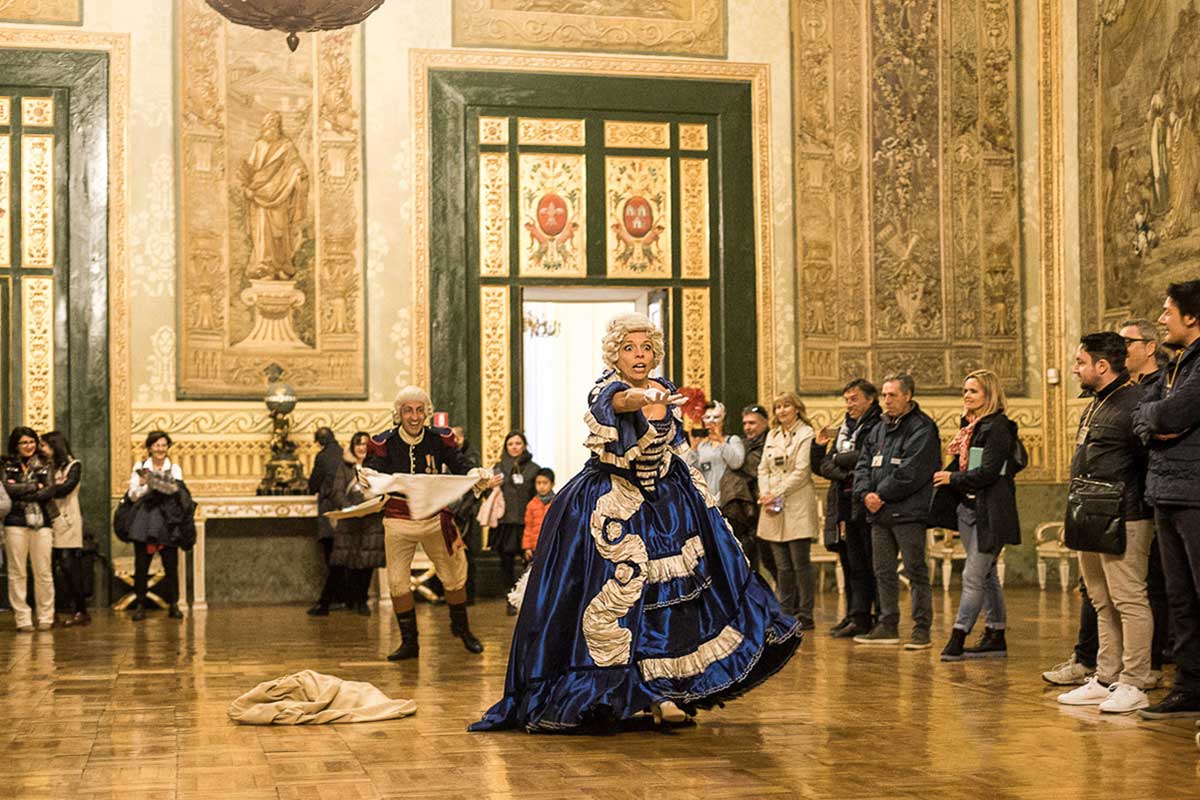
<point x="327" y="462"/>
<point x="1171" y="405"/>
<point x="739" y="487"/>
<point x="897" y="462"/>
<point x="28" y="484"/>
<point x="166" y="519"/>
<point x="994" y="494"/>
<point x="1112" y="451"/>
<point x="838" y="469"/>
<point x="517" y="491"/>
<point x="357" y="542"/>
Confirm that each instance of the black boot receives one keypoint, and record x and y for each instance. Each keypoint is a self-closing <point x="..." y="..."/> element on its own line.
<point x="953" y="651"/>
<point x="409" y="644"/>
<point x="459" y="627"/>
<point x="319" y="610"/>
<point x="991" y="645"/>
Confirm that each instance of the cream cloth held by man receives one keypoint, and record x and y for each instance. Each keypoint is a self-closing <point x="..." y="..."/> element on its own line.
<point x="426" y="494"/>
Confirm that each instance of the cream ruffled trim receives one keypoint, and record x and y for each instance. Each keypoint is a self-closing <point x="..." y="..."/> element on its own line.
<point x="608" y="643"/>
<point x="723" y="645"/>
<point x="661" y="570"/>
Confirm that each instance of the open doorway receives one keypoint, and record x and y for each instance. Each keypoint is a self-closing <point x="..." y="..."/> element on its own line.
<point x="561" y="333"/>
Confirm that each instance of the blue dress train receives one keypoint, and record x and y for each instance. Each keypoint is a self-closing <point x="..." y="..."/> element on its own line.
<point x="638" y="592"/>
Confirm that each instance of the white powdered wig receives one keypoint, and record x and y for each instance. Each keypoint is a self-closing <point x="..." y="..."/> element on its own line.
<point x="411" y="394"/>
<point x="624" y="324"/>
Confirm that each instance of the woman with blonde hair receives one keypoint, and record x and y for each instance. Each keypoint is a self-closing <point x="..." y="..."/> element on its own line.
<point x="976" y="495"/>
<point x="788" y="498"/>
<point x="639" y="597"/>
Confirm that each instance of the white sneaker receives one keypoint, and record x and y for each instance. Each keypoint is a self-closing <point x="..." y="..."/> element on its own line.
<point x="1124" y="697"/>
<point x="1068" y="673"/>
<point x="1092" y="693"/>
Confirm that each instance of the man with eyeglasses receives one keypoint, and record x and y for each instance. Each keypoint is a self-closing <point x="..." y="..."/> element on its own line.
<point x="1143" y="357"/>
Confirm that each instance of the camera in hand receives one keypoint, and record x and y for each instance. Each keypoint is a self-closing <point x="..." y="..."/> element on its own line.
<point x="700" y="433"/>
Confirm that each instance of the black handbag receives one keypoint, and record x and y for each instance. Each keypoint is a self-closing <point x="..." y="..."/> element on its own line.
<point x="1095" y="520"/>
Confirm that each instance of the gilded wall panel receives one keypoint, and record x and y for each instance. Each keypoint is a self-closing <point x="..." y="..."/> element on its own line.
<point x="638" y="216"/>
<point x="671" y="27"/>
<point x="554" y="214"/>
<point x="37" y="352"/>
<point x="693" y="223"/>
<point x="54" y="12"/>
<point x="653" y="135"/>
<point x="496" y="377"/>
<point x="557" y="132"/>
<point x="697" y="339"/>
<point x="493" y="214"/>
<point x="37" y="112"/>
<point x="1139" y="154"/>
<point x="493" y="130"/>
<point x="906" y="190"/>
<point x="5" y="199"/>
<point x="693" y="136"/>
<point x="37" y="200"/>
<point x="271" y="210"/>
<point x="5" y="110"/>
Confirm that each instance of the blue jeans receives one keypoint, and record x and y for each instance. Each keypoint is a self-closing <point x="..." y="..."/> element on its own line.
<point x="981" y="583"/>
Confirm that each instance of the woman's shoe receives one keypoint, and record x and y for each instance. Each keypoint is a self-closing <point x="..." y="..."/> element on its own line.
<point x="953" y="651"/>
<point x="65" y="621"/>
<point x="26" y="629"/>
<point x="319" y="610"/>
<point x="173" y="612"/>
<point x="139" y="614"/>
<point x="81" y="618"/>
<point x="669" y="713"/>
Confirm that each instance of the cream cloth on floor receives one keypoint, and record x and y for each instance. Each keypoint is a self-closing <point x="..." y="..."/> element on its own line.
<point x="310" y="698"/>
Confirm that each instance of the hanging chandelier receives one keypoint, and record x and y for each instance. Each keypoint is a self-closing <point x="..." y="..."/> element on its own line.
<point x="295" y="15"/>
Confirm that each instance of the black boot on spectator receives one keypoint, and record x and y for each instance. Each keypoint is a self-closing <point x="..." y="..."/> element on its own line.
<point x="173" y="612"/>
<point x="845" y="621"/>
<point x="991" y="645"/>
<point x="410" y="646"/>
<point x="851" y="629"/>
<point x="953" y="651"/>
<point x="319" y="610"/>
<point x="459" y="627"/>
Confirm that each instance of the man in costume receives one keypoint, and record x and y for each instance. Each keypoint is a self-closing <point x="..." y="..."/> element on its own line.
<point x="414" y="448"/>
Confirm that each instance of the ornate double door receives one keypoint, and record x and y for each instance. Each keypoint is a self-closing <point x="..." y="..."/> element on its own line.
<point x="576" y="182"/>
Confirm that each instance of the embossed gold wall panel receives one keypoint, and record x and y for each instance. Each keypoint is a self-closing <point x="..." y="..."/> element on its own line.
<point x="693" y="137"/>
<point x="694" y="224"/>
<point x="496" y="377"/>
<point x="695" y="28"/>
<point x="493" y="130"/>
<point x="651" y="135"/>
<point x="37" y="200"/>
<point x="697" y="339"/>
<point x="37" y="352"/>
<point x="906" y="191"/>
<point x="271" y="209"/>
<point x="37" y="112"/>
<point x="5" y="110"/>
<point x="556" y="132"/>
<point x="553" y="192"/>
<point x="493" y="214"/>
<point x="638" y="216"/>
<point x="5" y="200"/>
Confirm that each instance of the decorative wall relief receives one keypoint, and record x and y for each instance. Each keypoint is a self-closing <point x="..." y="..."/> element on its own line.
<point x="493" y="214"/>
<point x="54" y="12"/>
<point x="638" y="216"/>
<point x="37" y="352"/>
<point x="271" y="210"/>
<point x="553" y="214"/>
<point x="1139" y="154"/>
<point x="925" y="139"/>
<point x="669" y="27"/>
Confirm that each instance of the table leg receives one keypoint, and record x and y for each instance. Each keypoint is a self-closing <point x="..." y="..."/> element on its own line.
<point x="183" y="580"/>
<point x="199" y="595"/>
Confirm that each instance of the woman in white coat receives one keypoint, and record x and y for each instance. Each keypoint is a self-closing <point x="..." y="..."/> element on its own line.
<point x="788" y="498"/>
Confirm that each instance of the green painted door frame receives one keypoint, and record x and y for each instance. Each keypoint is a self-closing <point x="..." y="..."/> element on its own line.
<point x="457" y="99"/>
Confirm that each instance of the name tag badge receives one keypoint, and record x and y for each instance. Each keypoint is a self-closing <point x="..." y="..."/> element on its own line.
<point x="896" y="462"/>
<point x="877" y="461"/>
<point x="1081" y="437"/>
<point x="518" y="478"/>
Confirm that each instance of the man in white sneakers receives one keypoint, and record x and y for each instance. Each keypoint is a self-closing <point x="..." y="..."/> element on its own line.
<point x="1108" y="452"/>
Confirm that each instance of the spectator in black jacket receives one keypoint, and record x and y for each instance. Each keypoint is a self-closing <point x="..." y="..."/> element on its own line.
<point x="325" y="466"/>
<point x="894" y="480"/>
<point x="465" y="510"/>
<point x="1107" y="450"/>
<point x="739" y="487"/>
<point x="29" y="480"/>
<point x="976" y="495"/>
<point x="846" y="520"/>
<point x="1168" y="419"/>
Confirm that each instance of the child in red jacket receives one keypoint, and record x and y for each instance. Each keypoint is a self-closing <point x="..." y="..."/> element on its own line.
<point x="536" y="511"/>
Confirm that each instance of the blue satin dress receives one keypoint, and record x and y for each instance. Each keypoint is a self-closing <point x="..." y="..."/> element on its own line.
<point x="638" y="592"/>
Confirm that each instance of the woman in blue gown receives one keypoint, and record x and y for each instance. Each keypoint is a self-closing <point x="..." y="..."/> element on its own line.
<point x="639" y="598"/>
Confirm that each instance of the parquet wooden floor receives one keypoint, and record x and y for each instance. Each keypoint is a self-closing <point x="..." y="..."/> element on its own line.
<point x="132" y="711"/>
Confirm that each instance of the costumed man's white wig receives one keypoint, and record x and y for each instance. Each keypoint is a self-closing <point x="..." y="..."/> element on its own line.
<point x="411" y="394"/>
<point x="624" y="324"/>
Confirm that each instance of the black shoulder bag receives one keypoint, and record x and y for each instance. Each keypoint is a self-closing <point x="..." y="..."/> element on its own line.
<point x="1095" y="520"/>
